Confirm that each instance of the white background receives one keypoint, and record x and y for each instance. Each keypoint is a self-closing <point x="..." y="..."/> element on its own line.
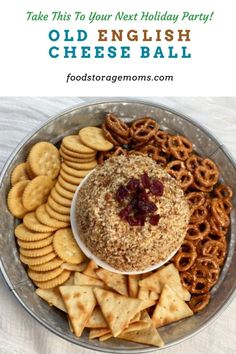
<point x="19" y="332"/>
<point x="26" y="68"/>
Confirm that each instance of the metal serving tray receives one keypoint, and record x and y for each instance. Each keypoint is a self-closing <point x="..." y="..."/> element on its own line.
<point x="69" y="122"/>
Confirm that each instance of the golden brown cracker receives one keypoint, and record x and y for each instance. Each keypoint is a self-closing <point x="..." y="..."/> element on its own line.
<point x="66" y="247"/>
<point x="67" y="185"/>
<point x="24" y="234"/>
<point x="64" y="192"/>
<point x="44" y="276"/>
<point x="72" y="143"/>
<point x="70" y="179"/>
<point x="67" y="157"/>
<point x="36" y="192"/>
<point x="33" y="261"/>
<point x="19" y="174"/>
<point x="37" y="252"/>
<point x="58" y="216"/>
<point x="73" y="172"/>
<point x="54" y="263"/>
<point x="29" y="171"/>
<point x="59" y="199"/>
<point x="35" y="244"/>
<point x="44" y="159"/>
<point x="58" y="207"/>
<point x="81" y="165"/>
<point x="14" y="199"/>
<point x="31" y="222"/>
<point x="95" y="139"/>
<point x="43" y="216"/>
<point x="59" y="280"/>
<point x="77" y="155"/>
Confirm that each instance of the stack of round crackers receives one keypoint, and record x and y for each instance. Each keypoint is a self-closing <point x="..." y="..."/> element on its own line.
<point x="42" y="191"/>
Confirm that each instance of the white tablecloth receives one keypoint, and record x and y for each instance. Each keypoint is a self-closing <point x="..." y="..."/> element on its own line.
<point x="21" y="334"/>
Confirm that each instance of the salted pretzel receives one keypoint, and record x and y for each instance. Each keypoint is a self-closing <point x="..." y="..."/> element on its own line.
<point x="143" y="129"/>
<point x="223" y="191"/>
<point x="161" y="139"/>
<point x="218" y="212"/>
<point x="180" y="147"/>
<point x="154" y="153"/>
<point x="198" y="231"/>
<point x="109" y="136"/>
<point x="199" y="302"/>
<point x="196" y="199"/>
<point x="193" y="162"/>
<point x="212" y="266"/>
<point x="214" y="249"/>
<point x="228" y="206"/>
<point x="217" y="229"/>
<point x="117" y="126"/>
<point x="177" y="170"/>
<point x="195" y="284"/>
<point x="185" y="257"/>
<point x="104" y="155"/>
<point x="198" y="186"/>
<point x="199" y="214"/>
<point x="207" y="173"/>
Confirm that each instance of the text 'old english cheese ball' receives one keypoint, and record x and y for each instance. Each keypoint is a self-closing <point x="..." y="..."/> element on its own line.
<point x="134" y="214"/>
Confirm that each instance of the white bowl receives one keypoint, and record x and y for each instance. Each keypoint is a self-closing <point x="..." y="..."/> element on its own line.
<point x="87" y="251"/>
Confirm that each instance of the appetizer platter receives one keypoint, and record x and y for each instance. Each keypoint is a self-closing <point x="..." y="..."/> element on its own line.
<point x="118" y="226"/>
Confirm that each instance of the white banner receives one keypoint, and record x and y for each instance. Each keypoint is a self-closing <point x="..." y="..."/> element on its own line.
<point x="124" y="48"/>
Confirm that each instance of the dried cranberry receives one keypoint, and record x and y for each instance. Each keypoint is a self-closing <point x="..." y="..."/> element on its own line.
<point x="133" y="184"/>
<point x="134" y="203"/>
<point x="146" y="207"/>
<point x="122" y="193"/>
<point x="156" y="188"/>
<point x="154" y="219"/>
<point x="145" y="180"/>
<point x="132" y="220"/>
<point x="125" y="211"/>
<point x="143" y="196"/>
<point x="140" y="218"/>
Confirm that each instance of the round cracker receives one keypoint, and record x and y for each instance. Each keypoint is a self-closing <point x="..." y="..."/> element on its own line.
<point x="59" y="199"/>
<point x="29" y="171"/>
<point x="67" y="185"/>
<point x="33" y="261"/>
<point x="24" y="234"/>
<point x="62" y="278"/>
<point x="64" y="192"/>
<point x="14" y="199"/>
<point x="95" y="139"/>
<point x="19" y="174"/>
<point x="45" y="267"/>
<point x="44" y="159"/>
<point x="77" y="155"/>
<point x="73" y="143"/>
<point x="55" y="215"/>
<point x="82" y="166"/>
<point x="44" y="276"/>
<point x="37" y="252"/>
<point x="70" y="179"/>
<point x="31" y="222"/>
<point x="58" y="207"/>
<point x="73" y="172"/>
<point x="35" y="244"/>
<point x="66" y="247"/>
<point x="43" y="216"/>
<point x="75" y="159"/>
<point x="36" y="192"/>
